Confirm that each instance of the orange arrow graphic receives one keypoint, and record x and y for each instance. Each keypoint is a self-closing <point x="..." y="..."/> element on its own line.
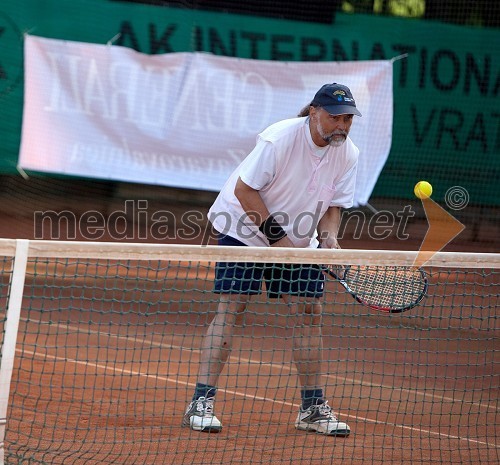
<point x="443" y="228"/>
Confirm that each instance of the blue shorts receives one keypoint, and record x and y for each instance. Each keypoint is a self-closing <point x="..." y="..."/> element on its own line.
<point x="246" y="277"/>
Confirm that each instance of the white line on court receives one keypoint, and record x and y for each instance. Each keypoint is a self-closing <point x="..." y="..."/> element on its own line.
<point x="289" y="367"/>
<point x="249" y="396"/>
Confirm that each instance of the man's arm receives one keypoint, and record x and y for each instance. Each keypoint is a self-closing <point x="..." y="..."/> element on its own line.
<point x="254" y="207"/>
<point x="328" y="228"/>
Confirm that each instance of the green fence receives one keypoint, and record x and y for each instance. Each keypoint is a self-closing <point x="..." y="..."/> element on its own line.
<point x="446" y="115"/>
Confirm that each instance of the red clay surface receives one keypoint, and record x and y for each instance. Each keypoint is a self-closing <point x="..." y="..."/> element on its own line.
<point x="106" y="366"/>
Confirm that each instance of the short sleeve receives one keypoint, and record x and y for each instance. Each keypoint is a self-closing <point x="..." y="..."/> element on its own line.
<point x="259" y="168"/>
<point x="344" y="189"/>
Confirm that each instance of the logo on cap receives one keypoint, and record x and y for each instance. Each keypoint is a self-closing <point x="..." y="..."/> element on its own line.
<point x="336" y="99"/>
<point x="340" y="95"/>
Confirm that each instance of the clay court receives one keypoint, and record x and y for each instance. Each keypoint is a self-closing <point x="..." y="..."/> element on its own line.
<point x="108" y="352"/>
<point x="119" y="112"/>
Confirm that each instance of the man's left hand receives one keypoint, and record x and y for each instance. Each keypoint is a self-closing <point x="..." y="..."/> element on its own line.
<point x="330" y="243"/>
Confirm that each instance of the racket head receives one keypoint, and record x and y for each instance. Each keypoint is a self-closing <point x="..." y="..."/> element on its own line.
<point x="388" y="289"/>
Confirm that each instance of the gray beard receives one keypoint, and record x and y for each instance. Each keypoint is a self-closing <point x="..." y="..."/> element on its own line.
<point x="334" y="142"/>
<point x="330" y="139"/>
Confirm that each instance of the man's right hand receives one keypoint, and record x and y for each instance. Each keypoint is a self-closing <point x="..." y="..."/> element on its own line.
<point x="284" y="242"/>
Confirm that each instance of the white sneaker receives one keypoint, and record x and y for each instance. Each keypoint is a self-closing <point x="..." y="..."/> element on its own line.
<point x="200" y="416"/>
<point x="321" y="419"/>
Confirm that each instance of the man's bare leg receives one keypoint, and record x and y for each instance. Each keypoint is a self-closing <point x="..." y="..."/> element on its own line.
<point x="215" y="351"/>
<point x="315" y="414"/>
<point x="308" y="343"/>
<point x="217" y="342"/>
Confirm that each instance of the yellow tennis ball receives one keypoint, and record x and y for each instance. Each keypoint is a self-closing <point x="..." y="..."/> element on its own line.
<point x="423" y="190"/>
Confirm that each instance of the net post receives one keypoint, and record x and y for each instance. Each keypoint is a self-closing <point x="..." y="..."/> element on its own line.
<point x="13" y="313"/>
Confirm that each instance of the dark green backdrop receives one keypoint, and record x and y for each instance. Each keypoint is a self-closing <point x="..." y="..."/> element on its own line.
<point x="446" y="116"/>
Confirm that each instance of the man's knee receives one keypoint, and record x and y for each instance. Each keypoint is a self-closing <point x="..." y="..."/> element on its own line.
<point x="313" y="308"/>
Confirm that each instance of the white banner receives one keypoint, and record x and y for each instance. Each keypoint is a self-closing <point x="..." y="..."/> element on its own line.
<point x="180" y="119"/>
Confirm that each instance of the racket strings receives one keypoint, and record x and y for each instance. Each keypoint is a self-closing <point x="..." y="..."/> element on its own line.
<point x="391" y="287"/>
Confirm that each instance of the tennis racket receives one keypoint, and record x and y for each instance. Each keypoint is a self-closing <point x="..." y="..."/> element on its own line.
<point x="389" y="289"/>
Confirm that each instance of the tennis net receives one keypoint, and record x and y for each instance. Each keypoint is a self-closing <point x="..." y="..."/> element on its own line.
<point x="101" y="346"/>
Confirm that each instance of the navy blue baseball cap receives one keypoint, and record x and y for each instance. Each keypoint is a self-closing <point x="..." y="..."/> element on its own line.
<point x="336" y="99"/>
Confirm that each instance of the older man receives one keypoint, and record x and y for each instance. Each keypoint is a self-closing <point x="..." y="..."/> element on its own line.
<point x="287" y="192"/>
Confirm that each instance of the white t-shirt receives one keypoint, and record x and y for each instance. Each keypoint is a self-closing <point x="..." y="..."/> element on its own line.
<point x="296" y="179"/>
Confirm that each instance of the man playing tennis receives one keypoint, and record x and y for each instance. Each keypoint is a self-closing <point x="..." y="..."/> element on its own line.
<point x="286" y="193"/>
